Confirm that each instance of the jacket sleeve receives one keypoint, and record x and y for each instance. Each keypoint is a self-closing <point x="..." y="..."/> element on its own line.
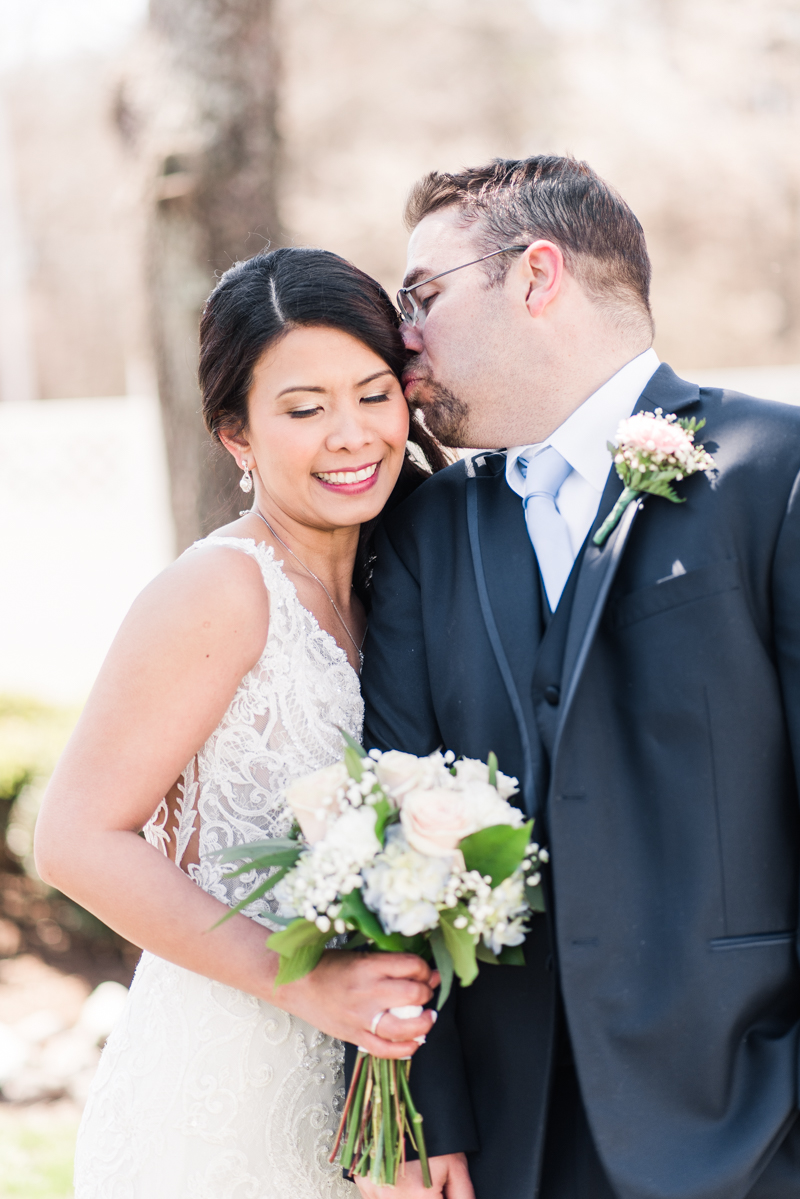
<point x="400" y="715"/>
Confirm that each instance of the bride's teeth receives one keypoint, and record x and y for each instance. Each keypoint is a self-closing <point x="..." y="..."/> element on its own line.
<point x="348" y="476"/>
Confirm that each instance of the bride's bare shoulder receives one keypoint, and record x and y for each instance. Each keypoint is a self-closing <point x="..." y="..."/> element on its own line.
<point x="213" y="596"/>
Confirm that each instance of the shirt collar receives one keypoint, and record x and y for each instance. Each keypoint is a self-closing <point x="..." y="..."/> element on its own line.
<point x="582" y="438"/>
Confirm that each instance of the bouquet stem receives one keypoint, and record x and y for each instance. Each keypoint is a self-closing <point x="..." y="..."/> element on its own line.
<point x="378" y="1115"/>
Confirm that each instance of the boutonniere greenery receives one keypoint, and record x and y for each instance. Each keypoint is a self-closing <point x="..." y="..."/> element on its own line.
<point x="652" y="452"/>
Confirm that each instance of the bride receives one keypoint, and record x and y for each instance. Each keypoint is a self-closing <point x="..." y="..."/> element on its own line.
<point x="231" y="676"/>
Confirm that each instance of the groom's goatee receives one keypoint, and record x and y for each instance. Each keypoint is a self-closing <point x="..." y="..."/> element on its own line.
<point x="445" y="414"/>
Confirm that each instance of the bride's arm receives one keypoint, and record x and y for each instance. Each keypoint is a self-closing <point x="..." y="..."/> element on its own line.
<point x="169" y="677"/>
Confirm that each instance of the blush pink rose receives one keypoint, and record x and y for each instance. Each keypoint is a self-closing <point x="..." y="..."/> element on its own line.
<point x="313" y="799"/>
<point x="643" y="432"/>
<point x="435" y="820"/>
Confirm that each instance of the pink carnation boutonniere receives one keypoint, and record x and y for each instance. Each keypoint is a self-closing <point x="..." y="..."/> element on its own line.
<point x="651" y="453"/>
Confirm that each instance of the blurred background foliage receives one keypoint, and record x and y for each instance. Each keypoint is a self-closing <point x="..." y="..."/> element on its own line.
<point x="34" y="917"/>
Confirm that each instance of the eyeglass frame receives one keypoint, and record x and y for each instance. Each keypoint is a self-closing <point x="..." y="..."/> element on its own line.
<point x="412" y="318"/>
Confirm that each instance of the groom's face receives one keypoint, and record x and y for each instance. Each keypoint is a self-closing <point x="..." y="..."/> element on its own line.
<point x="462" y="348"/>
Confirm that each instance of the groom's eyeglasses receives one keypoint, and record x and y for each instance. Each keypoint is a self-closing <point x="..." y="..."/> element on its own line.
<point x="412" y="312"/>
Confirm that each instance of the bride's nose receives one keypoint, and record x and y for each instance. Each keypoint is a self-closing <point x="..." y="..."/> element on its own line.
<point x="350" y="432"/>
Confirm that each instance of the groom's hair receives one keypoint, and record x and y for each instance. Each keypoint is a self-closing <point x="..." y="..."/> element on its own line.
<point x="558" y="199"/>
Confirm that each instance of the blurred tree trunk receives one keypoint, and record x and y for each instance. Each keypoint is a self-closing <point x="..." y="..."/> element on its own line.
<point x="214" y="203"/>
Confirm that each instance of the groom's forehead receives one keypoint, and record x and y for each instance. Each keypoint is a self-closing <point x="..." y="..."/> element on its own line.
<point x="440" y="241"/>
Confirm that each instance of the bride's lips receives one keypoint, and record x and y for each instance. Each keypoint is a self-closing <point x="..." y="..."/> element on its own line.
<point x="353" y="481"/>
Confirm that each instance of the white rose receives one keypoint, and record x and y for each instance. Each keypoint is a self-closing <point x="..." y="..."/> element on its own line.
<point x="399" y="772"/>
<point x="484" y="807"/>
<point x="354" y="832"/>
<point x="435" y="820"/>
<point x="470" y="770"/>
<point x="313" y="799"/>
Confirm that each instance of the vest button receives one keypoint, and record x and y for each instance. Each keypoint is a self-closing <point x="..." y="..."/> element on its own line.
<point x="552" y="694"/>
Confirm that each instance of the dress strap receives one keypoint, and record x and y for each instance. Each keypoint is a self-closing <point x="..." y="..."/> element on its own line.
<point x="272" y="573"/>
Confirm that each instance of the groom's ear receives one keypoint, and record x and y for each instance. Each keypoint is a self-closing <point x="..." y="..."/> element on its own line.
<point x="540" y="272"/>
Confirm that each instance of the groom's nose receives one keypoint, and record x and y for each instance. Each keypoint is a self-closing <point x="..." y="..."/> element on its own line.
<point x="412" y="337"/>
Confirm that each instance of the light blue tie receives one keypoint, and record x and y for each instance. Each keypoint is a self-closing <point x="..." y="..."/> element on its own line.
<point x="547" y="529"/>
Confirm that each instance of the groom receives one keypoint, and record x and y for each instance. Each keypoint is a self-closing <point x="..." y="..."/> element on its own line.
<point x="646" y="693"/>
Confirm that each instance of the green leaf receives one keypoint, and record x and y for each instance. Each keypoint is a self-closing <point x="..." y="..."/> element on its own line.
<point x="385" y="815"/>
<point x="352" y="761"/>
<point x="351" y="743"/>
<point x="301" y="945"/>
<point x="692" y="425"/>
<point x="260" y="890"/>
<point x="511" y="955"/>
<point x="287" y="858"/>
<point x="355" y="910"/>
<point x="484" y="954"/>
<point x="496" y="851"/>
<point x="535" y="898"/>
<point x="461" y="945"/>
<point x="444" y="964"/>
<point x="491" y="762"/>
<point x="300" y="963"/>
<point x="299" y="933"/>
<point x="260" y="850"/>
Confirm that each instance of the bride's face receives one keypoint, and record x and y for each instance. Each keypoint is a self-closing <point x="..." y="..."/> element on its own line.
<point x="327" y="429"/>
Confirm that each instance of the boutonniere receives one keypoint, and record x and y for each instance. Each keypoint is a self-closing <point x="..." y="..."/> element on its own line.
<point x="651" y="453"/>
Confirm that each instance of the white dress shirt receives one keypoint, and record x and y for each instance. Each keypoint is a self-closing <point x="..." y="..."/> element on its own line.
<point x="582" y="441"/>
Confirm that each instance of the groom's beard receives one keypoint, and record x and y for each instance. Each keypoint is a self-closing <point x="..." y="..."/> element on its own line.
<point x="446" y="416"/>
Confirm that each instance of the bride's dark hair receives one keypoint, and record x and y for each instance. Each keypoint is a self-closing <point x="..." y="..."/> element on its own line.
<point x="259" y="301"/>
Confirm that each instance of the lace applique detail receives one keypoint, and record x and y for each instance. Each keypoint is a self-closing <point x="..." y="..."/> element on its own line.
<point x="202" y="1090"/>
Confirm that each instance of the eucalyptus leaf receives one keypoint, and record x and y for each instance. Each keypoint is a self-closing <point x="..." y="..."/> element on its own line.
<point x="351" y="743"/>
<point x="258" y="849"/>
<point x="461" y="945"/>
<point x="260" y="890"/>
<point x="497" y="850"/>
<point x="352" y="761"/>
<point x="444" y="964"/>
<point x="287" y="858"/>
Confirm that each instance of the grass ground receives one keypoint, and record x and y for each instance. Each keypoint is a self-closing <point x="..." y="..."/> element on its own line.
<point x="36" y="1151"/>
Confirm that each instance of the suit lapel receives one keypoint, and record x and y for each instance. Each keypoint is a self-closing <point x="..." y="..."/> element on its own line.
<point x="507" y="580"/>
<point x="600" y="564"/>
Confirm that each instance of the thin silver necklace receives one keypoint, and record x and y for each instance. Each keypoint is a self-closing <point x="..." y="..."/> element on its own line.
<point x="308" y="570"/>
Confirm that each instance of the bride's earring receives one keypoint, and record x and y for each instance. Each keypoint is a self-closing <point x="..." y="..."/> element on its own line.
<point x="246" y="481"/>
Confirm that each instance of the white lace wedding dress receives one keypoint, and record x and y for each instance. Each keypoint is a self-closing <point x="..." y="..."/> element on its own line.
<point x="204" y="1092"/>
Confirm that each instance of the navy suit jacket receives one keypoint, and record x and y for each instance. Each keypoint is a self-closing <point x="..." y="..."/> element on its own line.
<point x="670" y="805"/>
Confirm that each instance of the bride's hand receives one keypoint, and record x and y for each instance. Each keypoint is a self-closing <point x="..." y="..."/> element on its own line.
<point x="449" y="1175"/>
<point x="345" y="992"/>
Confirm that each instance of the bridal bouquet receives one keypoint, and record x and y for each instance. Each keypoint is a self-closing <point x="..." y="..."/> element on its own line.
<point x="407" y="855"/>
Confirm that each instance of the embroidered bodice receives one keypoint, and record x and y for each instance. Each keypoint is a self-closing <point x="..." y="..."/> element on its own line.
<point x="283" y="722"/>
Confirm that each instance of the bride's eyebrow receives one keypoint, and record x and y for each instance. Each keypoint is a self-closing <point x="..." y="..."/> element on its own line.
<point x="377" y="375"/>
<point x="288" y="390"/>
<point x="322" y="390"/>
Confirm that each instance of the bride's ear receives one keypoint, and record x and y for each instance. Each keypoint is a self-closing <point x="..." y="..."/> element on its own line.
<point x="237" y="445"/>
